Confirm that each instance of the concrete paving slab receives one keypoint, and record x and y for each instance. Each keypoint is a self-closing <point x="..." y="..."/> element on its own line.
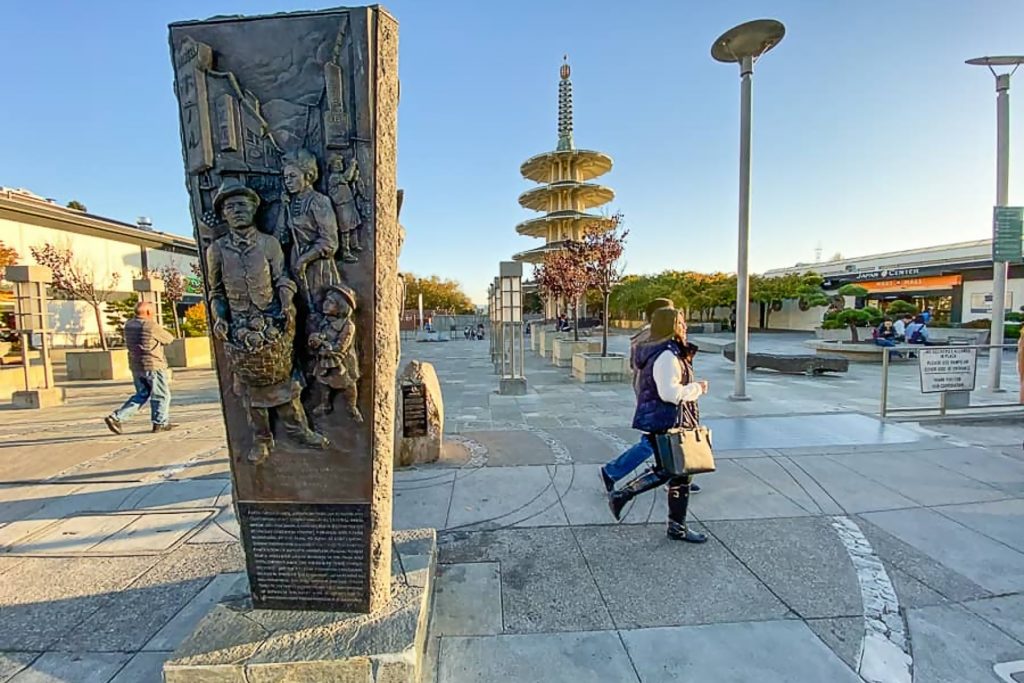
<point x="922" y="483"/>
<point x="593" y="657"/>
<point x="773" y="474"/>
<point x="223" y="528"/>
<point x="899" y="556"/>
<point x="190" y="493"/>
<point x="778" y="651"/>
<point x="585" y="446"/>
<point x="184" y="622"/>
<point x="797" y="431"/>
<point x="152" y="532"/>
<point x="505" y="496"/>
<point x="854" y="492"/>
<point x="80" y="667"/>
<point x="467" y="600"/>
<point x="629" y="564"/>
<point x="72" y="535"/>
<point x="802" y="561"/>
<point x="513" y="447"/>
<point x="731" y="492"/>
<point x="951" y="645"/>
<point x="1002" y="520"/>
<point x="423" y="501"/>
<point x="1006" y="612"/>
<point x="37" y="459"/>
<point x="843" y="635"/>
<point x="912" y="592"/>
<point x="546" y="584"/>
<point x="144" y="667"/>
<point x="13" y="662"/>
<point x="983" y="464"/>
<point x="988" y="563"/>
<point x="584" y="499"/>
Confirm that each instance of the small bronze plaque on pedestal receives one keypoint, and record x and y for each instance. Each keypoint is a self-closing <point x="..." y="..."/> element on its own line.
<point x="414" y="410"/>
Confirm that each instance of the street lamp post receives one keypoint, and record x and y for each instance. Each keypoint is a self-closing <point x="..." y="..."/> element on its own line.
<point x="743" y="45"/>
<point x="1000" y="266"/>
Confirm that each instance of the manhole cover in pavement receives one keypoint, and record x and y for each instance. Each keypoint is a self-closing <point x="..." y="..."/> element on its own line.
<point x="112" y="534"/>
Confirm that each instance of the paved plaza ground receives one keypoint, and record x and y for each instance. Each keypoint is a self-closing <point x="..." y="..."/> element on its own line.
<point x="842" y="547"/>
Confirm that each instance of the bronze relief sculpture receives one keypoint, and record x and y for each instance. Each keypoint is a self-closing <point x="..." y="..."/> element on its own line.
<point x="253" y="314"/>
<point x="343" y="188"/>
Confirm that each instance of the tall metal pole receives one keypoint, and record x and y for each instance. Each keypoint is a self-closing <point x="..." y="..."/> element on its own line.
<point x="1000" y="268"/>
<point x="743" y="246"/>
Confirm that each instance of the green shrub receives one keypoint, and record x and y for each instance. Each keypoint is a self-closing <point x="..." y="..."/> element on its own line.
<point x="901" y="308"/>
<point x="832" y="325"/>
<point x="979" y="324"/>
<point x="1014" y="317"/>
<point x="1011" y="332"/>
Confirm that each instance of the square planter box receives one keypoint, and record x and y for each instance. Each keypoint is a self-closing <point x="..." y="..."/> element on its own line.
<point x="12" y="379"/>
<point x="593" y="367"/>
<point x="564" y="349"/>
<point x="91" y="365"/>
<point x="188" y="352"/>
<point x="547" y="339"/>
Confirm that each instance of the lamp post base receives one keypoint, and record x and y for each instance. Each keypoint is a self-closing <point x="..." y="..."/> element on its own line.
<point x="744" y="397"/>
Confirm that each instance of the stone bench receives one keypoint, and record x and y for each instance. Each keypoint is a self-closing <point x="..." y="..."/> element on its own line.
<point x="790" y="364"/>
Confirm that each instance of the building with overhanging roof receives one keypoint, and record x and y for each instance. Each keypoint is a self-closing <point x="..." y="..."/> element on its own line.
<point x="565" y="193"/>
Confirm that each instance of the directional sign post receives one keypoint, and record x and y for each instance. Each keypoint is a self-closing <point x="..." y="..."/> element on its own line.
<point x="1007" y="223"/>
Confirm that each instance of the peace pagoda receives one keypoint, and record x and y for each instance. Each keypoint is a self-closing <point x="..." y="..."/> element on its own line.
<point x="565" y="193"/>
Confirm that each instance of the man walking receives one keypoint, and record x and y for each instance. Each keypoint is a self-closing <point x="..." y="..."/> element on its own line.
<point x="145" y="340"/>
<point x="635" y="455"/>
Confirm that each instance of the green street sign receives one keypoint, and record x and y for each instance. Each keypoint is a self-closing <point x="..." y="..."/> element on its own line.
<point x="1007" y="224"/>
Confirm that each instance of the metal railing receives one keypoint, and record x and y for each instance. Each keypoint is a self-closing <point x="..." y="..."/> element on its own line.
<point x="942" y="408"/>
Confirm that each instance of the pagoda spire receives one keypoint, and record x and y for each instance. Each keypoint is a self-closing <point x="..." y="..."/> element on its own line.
<point x="565" y="140"/>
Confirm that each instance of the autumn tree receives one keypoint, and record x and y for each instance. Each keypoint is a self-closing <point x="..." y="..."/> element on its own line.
<point x="174" y="292"/>
<point x="599" y="254"/>
<point x="438" y="294"/>
<point x="563" y="277"/>
<point x="195" y="322"/>
<point x="8" y="257"/>
<point x="74" y="279"/>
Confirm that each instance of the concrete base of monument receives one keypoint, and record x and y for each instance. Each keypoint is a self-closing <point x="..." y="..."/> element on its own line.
<point x="35" y="399"/>
<point x="235" y="643"/>
<point x="512" y="386"/>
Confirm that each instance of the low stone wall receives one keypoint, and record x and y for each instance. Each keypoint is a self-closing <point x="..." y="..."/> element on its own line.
<point x="937" y="334"/>
<point x="189" y="352"/>
<point x="547" y="340"/>
<point x="563" y="350"/>
<point x="593" y="367"/>
<point x="94" y="365"/>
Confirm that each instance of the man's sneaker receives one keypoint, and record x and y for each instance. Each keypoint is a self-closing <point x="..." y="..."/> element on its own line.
<point x="164" y="427"/>
<point x="113" y="424"/>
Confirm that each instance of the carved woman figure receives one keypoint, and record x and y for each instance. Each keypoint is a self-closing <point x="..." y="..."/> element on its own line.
<point x="336" y="362"/>
<point x="340" y="188"/>
<point x="307" y="222"/>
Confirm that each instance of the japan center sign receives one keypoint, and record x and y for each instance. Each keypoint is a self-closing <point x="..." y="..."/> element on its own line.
<point x="947" y="369"/>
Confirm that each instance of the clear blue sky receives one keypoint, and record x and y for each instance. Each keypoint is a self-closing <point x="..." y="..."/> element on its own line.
<point x="869" y="131"/>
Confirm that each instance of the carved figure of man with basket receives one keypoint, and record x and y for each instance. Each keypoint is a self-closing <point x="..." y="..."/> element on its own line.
<point x="251" y="295"/>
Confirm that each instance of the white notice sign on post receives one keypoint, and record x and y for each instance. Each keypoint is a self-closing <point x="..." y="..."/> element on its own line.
<point x="947" y="369"/>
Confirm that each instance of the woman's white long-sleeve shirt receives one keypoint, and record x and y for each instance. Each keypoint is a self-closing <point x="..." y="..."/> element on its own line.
<point x="668" y="377"/>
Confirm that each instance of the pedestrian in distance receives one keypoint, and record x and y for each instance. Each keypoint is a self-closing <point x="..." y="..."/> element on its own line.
<point x="146" y="340"/>
<point x="635" y="455"/>
<point x="900" y="326"/>
<point x="666" y="399"/>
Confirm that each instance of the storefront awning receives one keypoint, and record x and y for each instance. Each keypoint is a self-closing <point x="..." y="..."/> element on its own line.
<point x="913" y="284"/>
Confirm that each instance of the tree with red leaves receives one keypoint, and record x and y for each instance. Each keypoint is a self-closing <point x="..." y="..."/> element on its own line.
<point x="76" y="280"/>
<point x="174" y="292"/>
<point x="563" y="278"/>
<point x="599" y="256"/>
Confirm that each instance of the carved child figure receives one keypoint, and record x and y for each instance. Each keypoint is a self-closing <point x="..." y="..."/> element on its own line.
<point x="341" y="188"/>
<point x="336" y="363"/>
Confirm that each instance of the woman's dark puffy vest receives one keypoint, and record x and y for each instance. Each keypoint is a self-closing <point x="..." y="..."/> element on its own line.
<point x="653" y="414"/>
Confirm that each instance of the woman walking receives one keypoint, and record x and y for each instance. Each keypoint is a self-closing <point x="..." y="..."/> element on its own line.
<point x="667" y="395"/>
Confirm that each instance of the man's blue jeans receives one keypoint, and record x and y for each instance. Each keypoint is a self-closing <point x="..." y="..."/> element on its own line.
<point x="153" y="386"/>
<point x="630" y="459"/>
<point x="885" y="342"/>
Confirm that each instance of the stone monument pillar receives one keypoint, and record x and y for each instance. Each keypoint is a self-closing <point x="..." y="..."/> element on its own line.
<point x="288" y="127"/>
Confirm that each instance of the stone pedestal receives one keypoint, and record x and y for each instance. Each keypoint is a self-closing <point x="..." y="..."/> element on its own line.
<point x="420" y="422"/>
<point x="547" y="340"/>
<point x="562" y="350"/>
<point x="237" y="644"/>
<point x="288" y="125"/>
<point x="38" y="398"/>
<point x="95" y="365"/>
<point x="512" y="386"/>
<point x="189" y="352"/>
<point x="593" y="367"/>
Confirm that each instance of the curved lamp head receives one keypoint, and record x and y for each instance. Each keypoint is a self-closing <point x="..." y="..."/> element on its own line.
<point x="751" y="39"/>
<point x="1004" y="60"/>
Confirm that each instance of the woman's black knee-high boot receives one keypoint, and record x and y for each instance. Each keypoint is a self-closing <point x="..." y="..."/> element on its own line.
<point x="645" y="482"/>
<point x="678" y="500"/>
